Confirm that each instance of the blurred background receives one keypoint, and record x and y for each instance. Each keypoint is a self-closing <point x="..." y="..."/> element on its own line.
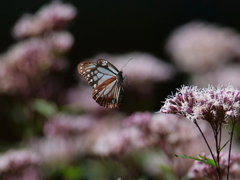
<point x="52" y="129"/>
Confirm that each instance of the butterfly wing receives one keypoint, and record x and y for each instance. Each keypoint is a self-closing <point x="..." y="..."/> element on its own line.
<point x="97" y="73"/>
<point x="109" y="93"/>
<point x="102" y="76"/>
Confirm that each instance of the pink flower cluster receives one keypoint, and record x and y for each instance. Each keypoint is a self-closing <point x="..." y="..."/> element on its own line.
<point x="55" y="15"/>
<point x="228" y="74"/>
<point x="200" y="170"/>
<point x="19" y="165"/>
<point x="198" y="47"/>
<point x="213" y="104"/>
<point x="29" y="61"/>
<point x="65" y="125"/>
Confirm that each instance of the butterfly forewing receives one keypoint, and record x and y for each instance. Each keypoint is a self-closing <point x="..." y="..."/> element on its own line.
<point x="97" y="73"/>
<point x="106" y="81"/>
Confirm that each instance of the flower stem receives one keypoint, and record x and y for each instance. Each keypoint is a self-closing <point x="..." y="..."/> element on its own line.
<point x="195" y="122"/>
<point x="216" y="135"/>
<point x="230" y="146"/>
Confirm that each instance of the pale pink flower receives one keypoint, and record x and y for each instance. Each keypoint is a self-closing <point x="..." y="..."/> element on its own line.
<point x="227" y="75"/>
<point x="57" y="149"/>
<point x="109" y="143"/>
<point x="68" y="125"/>
<point x="23" y="62"/>
<point x="60" y="41"/>
<point x="52" y="16"/>
<point x="167" y="131"/>
<point x="201" y="170"/>
<point x="212" y="104"/>
<point x="137" y="119"/>
<point x="201" y="47"/>
<point x="57" y="13"/>
<point x="137" y="139"/>
<point x="160" y="123"/>
<point x="81" y="97"/>
<point x="26" y="63"/>
<point x="19" y="165"/>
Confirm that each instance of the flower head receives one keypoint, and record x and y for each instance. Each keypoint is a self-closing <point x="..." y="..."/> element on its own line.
<point x="52" y="16"/>
<point x="213" y="104"/>
<point x="65" y="125"/>
<point x="200" y="47"/>
<point x="81" y="98"/>
<point x="201" y="170"/>
<point x="21" y="164"/>
<point x="227" y="75"/>
<point x="138" y="119"/>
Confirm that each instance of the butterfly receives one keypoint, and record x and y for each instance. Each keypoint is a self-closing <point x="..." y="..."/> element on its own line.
<point x="105" y="79"/>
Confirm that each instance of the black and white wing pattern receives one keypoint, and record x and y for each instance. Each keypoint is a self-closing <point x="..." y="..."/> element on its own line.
<point x="105" y="79"/>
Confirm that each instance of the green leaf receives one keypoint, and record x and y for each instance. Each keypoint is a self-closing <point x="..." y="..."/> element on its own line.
<point x="223" y="146"/>
<point x="206" y="160"/>
<point x="209" y="161"/>
<point x="44" y="107"/>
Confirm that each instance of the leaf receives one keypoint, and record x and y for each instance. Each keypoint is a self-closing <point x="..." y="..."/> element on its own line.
<point x="44" y="107"/>
<point x="206" y="160"/>
<point x="210" y="161"/>
<point x="223" y="146"/>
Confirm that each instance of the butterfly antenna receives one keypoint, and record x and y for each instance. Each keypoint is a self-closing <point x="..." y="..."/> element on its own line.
<point x="127" y="62"/>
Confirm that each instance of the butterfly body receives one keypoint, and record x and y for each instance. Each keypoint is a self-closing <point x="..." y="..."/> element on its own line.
<point x="106" y="81"/>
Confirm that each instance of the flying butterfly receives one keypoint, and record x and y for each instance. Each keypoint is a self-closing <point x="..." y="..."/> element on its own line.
<point x="105" y="79"/>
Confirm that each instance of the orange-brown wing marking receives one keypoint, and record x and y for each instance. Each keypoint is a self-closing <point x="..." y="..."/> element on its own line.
<point x="96" y="72"/>
<point x="107" y="94"/>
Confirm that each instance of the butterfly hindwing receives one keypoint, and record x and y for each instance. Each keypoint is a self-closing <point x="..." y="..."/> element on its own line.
<point x="106" y="81"/>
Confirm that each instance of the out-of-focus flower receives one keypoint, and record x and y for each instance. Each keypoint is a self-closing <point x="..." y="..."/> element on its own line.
<point x="170" y="133"/>
<point x="137" y="139"/>
<point x="201" y="170"/>
<point x="138" y="119"/>
<point x="55" y="15"/>
<point x="19" y="165"/>
<point x="200" y="47"/>
<point x="60" y="41"/>
<point x="143" y="71"/>
<point x="81" y="97"/>
<point x="179" y="132"/>
<point x="110" y="143"/>
<point x="66" y="125"/>
<point x="160" y="124"/>
<point x="70" y="136"/>
<point x="57" y="149"/>
<point x="23" y="64"/>
<point x="158" y="129"/>
<point x="106" y="137"/>
<point x="212" y="104"/>
<point x="227" y="75"/>
<point x="27" y="62"/>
